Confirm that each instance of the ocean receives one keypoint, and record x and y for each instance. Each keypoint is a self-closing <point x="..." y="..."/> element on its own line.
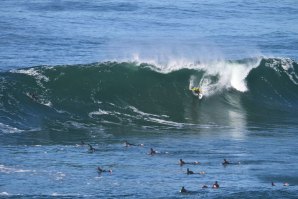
<point x="80" y="78"/>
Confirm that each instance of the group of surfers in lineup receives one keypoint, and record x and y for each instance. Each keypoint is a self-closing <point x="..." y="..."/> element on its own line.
<point x="181" y="163"/>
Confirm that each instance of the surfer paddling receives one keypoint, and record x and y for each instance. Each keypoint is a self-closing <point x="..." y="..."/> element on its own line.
<point x="152" y="152"/>
<point x="189" y="172"/>
<point x="181" y="162"/>
<point x="127" y="144"/>
<point x="183" y="190"/>
<point x="204" y="186"/>
<point x="226" y="162"/>
<point x="91" y="148"/>
<point x="100" y="170"/>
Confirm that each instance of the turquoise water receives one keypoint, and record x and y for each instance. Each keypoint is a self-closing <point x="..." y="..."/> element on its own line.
<point x="104" y="73"/>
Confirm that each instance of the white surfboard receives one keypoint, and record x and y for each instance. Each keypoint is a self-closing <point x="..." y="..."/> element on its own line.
<point x="200" y="96"/>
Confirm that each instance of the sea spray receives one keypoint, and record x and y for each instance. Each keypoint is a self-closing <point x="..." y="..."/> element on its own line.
<point x="229" y="74"/>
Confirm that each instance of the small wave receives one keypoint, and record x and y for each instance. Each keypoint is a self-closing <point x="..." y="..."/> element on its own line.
<point x="99" y="112"/>
<point x="4" y="193"/>
<point x="4" y="128"/>
<point x="5" y="169"/>
<point x="59" y="176"/>
<point x="165" y="122"/>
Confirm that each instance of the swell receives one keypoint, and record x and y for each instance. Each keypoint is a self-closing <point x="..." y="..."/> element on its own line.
<point x="131" y="94"/>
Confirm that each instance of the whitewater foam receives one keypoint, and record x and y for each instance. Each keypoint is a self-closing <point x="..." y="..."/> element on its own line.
<point x="287" y="66"/>
<point x="4" y="193"/>
<point x="134" y="109"/>
<point x="99" y="112"/>
<point x="5" y="169"/>
<point x="231" y="74"/>
<point x="32" y="72"/>
<point x="227" y="74"/>
<point x="9" y="129"/>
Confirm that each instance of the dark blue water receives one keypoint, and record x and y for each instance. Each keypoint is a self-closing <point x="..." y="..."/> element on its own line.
<point x="103" y="72"/>
<point x="67" y="32"/>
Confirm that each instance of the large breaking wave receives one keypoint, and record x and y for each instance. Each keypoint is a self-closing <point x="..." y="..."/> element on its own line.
<point x="147" y="95"/>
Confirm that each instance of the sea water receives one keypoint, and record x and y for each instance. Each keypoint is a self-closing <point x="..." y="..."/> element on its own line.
<point x="75" y="73"/>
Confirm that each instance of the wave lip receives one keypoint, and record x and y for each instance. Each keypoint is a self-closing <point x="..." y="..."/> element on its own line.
<point x="230" y="74"/>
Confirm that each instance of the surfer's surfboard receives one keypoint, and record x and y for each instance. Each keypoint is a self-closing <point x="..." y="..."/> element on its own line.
<point x="200" y="96"/>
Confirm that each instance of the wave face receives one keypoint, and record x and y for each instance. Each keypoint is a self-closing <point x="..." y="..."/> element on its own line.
<point x="145" y="95"/>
